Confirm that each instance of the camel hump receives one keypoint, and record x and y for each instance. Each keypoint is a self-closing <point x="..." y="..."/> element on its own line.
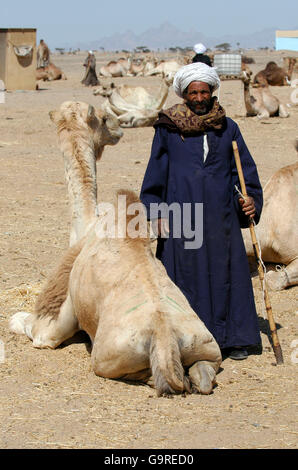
<point x="166" y="366"/>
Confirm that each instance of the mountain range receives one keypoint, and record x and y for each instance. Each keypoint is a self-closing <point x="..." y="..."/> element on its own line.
<point x="166" y="36"/>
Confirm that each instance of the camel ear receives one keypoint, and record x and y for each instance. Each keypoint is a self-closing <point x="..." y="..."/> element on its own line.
<point x="105" y="117"/>
<point x="90" y="114"/>
<point x="54" y="116"/>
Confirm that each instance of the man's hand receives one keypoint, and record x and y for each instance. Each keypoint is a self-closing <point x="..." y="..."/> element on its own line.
<point x="248" y="206"/>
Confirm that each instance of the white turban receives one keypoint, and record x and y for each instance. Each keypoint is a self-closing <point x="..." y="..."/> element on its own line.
<point x="199" y="48"/>
<point x="196" y="72"/>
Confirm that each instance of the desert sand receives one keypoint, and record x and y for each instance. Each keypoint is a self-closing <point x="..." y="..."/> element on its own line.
<point x="51" y="399"/>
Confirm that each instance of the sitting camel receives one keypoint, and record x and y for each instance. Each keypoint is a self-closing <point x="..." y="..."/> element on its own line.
<point x="50" y="72"/>
<point x="113" y="287"/>
<point x="165" y="69"/>
<point x="114" y="69"/>
<point x="133" y="106"/>
<point x="277" y="231"/>
<point x="260" y="101"/>
<point x="274" y="75"/>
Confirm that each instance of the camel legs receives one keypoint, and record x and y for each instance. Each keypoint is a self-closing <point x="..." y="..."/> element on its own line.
<point x="47" y="331"/>
<point x="282" y="111"/>
<point x="278" y="280"/>
<point x="202" y="377"/>
<point x="201" y="374"/>
<point x="263" y="113"/>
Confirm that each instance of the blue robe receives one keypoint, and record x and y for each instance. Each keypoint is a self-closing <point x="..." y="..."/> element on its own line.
<point x="215" y="278"/>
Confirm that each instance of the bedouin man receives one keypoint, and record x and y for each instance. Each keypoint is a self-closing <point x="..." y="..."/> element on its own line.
<point x="90" y="78"/>
<point x="192" y="162"/>
<point x="200" y="56"/>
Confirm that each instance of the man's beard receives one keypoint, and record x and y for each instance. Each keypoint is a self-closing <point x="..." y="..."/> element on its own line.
<point x="200" y="108"/>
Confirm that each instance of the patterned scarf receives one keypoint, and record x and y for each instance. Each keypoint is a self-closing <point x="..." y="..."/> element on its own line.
<point x="182" y="117"/>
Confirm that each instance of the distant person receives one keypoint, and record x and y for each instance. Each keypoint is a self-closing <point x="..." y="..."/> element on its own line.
<point x="43" y="55"/>
<point x="200" y="56"/>
<point x="90" y="78"/>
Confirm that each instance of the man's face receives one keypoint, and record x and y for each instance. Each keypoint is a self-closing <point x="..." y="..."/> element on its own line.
<point x="198" y="97"/>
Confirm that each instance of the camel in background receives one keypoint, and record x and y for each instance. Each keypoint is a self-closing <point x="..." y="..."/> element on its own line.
<point x="133" y="106"/>
<point x="287" y="61"/>
<point x="49" y="73"/>
<point x="277" y="231"/>
<point x="43" y="55"/>
<point x="260" y="101"/>
<point x="113" y="69"/>
<point x="128" y="66"/>
<point x="165" y="69"/>
<point x="113" y="287"/>
<point x="46" y="70"/>
<point x="274" y="75"/>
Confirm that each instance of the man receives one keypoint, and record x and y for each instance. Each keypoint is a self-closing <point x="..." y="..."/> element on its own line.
<point x="200" y="56"/>
<point x="90" y="78"/>
<point x="192" y="162"/>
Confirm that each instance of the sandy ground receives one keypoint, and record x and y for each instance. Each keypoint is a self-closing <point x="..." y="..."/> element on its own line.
<point x="52" y="399"/>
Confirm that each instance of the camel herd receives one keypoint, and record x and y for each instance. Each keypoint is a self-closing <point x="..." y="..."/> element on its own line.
<point x="140" y="324"/>
<point x="133" y="110"/>
<point x="145" y="66"/>
<point x="258" y="97"/>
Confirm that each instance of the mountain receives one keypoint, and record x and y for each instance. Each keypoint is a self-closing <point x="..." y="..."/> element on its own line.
<point x="167" y="35"/>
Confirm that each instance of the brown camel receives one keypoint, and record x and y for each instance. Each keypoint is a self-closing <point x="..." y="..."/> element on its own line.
<point x="260" y="101"/>
<point x="113" y="287"/>
<point x="50" y="72"/>
<point x="43" y="54"/>
<point x="274" y="75"/>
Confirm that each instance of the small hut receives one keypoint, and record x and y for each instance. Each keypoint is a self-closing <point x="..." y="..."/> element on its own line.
<point x="18" y="58"/>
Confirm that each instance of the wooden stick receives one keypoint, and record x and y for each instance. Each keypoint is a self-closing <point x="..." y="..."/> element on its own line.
<point x="276" y="346"/>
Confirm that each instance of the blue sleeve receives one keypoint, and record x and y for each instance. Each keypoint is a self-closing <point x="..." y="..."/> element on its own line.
<point x="154" y="186"/>
<point x="251" y="177"/>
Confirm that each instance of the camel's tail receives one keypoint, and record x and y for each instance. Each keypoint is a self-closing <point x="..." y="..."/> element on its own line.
<point x="165" y="361"/>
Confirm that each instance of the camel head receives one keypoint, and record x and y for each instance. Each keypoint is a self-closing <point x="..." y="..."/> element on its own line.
<point x="245" y="76"/>
<point x="82" y="120"/>
<point x="105" y="89"/>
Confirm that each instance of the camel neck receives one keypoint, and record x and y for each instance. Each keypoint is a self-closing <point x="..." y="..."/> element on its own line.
<point x="80" y="173"/>
<point x="247" y="99"/>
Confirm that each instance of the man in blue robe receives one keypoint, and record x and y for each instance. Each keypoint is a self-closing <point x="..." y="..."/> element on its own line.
<point x="192" y="163"/>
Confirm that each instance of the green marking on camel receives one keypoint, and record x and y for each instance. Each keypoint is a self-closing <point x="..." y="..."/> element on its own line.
<point x="135" y="307"/>
<point x="175" y="304"/>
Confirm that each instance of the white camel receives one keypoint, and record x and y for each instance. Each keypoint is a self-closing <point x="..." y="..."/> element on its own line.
<point x="277" y="231"/>
<point x="133" y="106"/>
<point x="140" y="324"/>
<point x="165" y="69"/>
<point x="113" y="69"/>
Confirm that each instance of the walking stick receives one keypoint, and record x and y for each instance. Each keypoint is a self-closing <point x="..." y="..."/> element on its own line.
<point x="276" y="346"/>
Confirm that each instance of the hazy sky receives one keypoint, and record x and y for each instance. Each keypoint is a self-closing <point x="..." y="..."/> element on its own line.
<point x="78" y="20"/>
